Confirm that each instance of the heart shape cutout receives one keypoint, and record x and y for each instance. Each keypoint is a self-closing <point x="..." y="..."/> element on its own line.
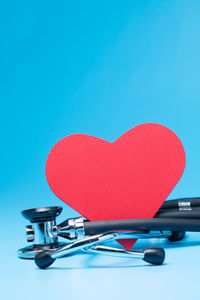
<point x="129" y="178"/>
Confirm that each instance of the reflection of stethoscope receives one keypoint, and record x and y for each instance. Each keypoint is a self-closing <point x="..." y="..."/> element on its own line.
<point x="173" y="219"/>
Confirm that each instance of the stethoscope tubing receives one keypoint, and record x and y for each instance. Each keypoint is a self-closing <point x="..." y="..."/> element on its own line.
<point x="192" y="208"/>
<point x="182" y="215"/>
<point x="144" y="225"/>
<point x="193" y="214"/>
<point x="194" y="201"/>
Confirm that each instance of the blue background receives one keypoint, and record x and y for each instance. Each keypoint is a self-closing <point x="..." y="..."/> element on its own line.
<point x="100" y="68"/>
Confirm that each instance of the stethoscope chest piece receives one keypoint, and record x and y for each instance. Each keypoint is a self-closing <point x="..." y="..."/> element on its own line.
<point x="42" y="232"/>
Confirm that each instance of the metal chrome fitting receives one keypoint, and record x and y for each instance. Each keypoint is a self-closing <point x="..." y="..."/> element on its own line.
<point x="73" y="228"/>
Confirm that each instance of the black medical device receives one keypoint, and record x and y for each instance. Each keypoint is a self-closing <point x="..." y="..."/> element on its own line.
<point x="173" y="219"/>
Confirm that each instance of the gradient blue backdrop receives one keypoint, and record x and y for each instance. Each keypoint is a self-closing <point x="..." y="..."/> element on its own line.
<point x="100" y="68"/>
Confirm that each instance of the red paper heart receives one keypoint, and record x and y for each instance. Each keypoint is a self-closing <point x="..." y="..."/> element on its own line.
<point x="129" y="178"/>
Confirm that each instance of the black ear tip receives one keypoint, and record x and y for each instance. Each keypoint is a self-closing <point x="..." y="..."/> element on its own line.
<point x="43" y="259"/>
<point x="154" y="255"/>
<point x="176" y="236"/>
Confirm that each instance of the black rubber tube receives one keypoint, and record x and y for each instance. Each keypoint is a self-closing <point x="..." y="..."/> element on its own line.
<point x="177" y="209"/>
<point x="168" y="224"/>
<point x="178" y="214"/>
<point x="195" y="201"/>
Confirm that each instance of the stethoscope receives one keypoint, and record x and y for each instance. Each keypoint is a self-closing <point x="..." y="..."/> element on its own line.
<point x="172" y="220"/>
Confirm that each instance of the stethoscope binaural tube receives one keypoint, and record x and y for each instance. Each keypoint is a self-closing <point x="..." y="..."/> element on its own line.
<point x="152" y="255"/>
